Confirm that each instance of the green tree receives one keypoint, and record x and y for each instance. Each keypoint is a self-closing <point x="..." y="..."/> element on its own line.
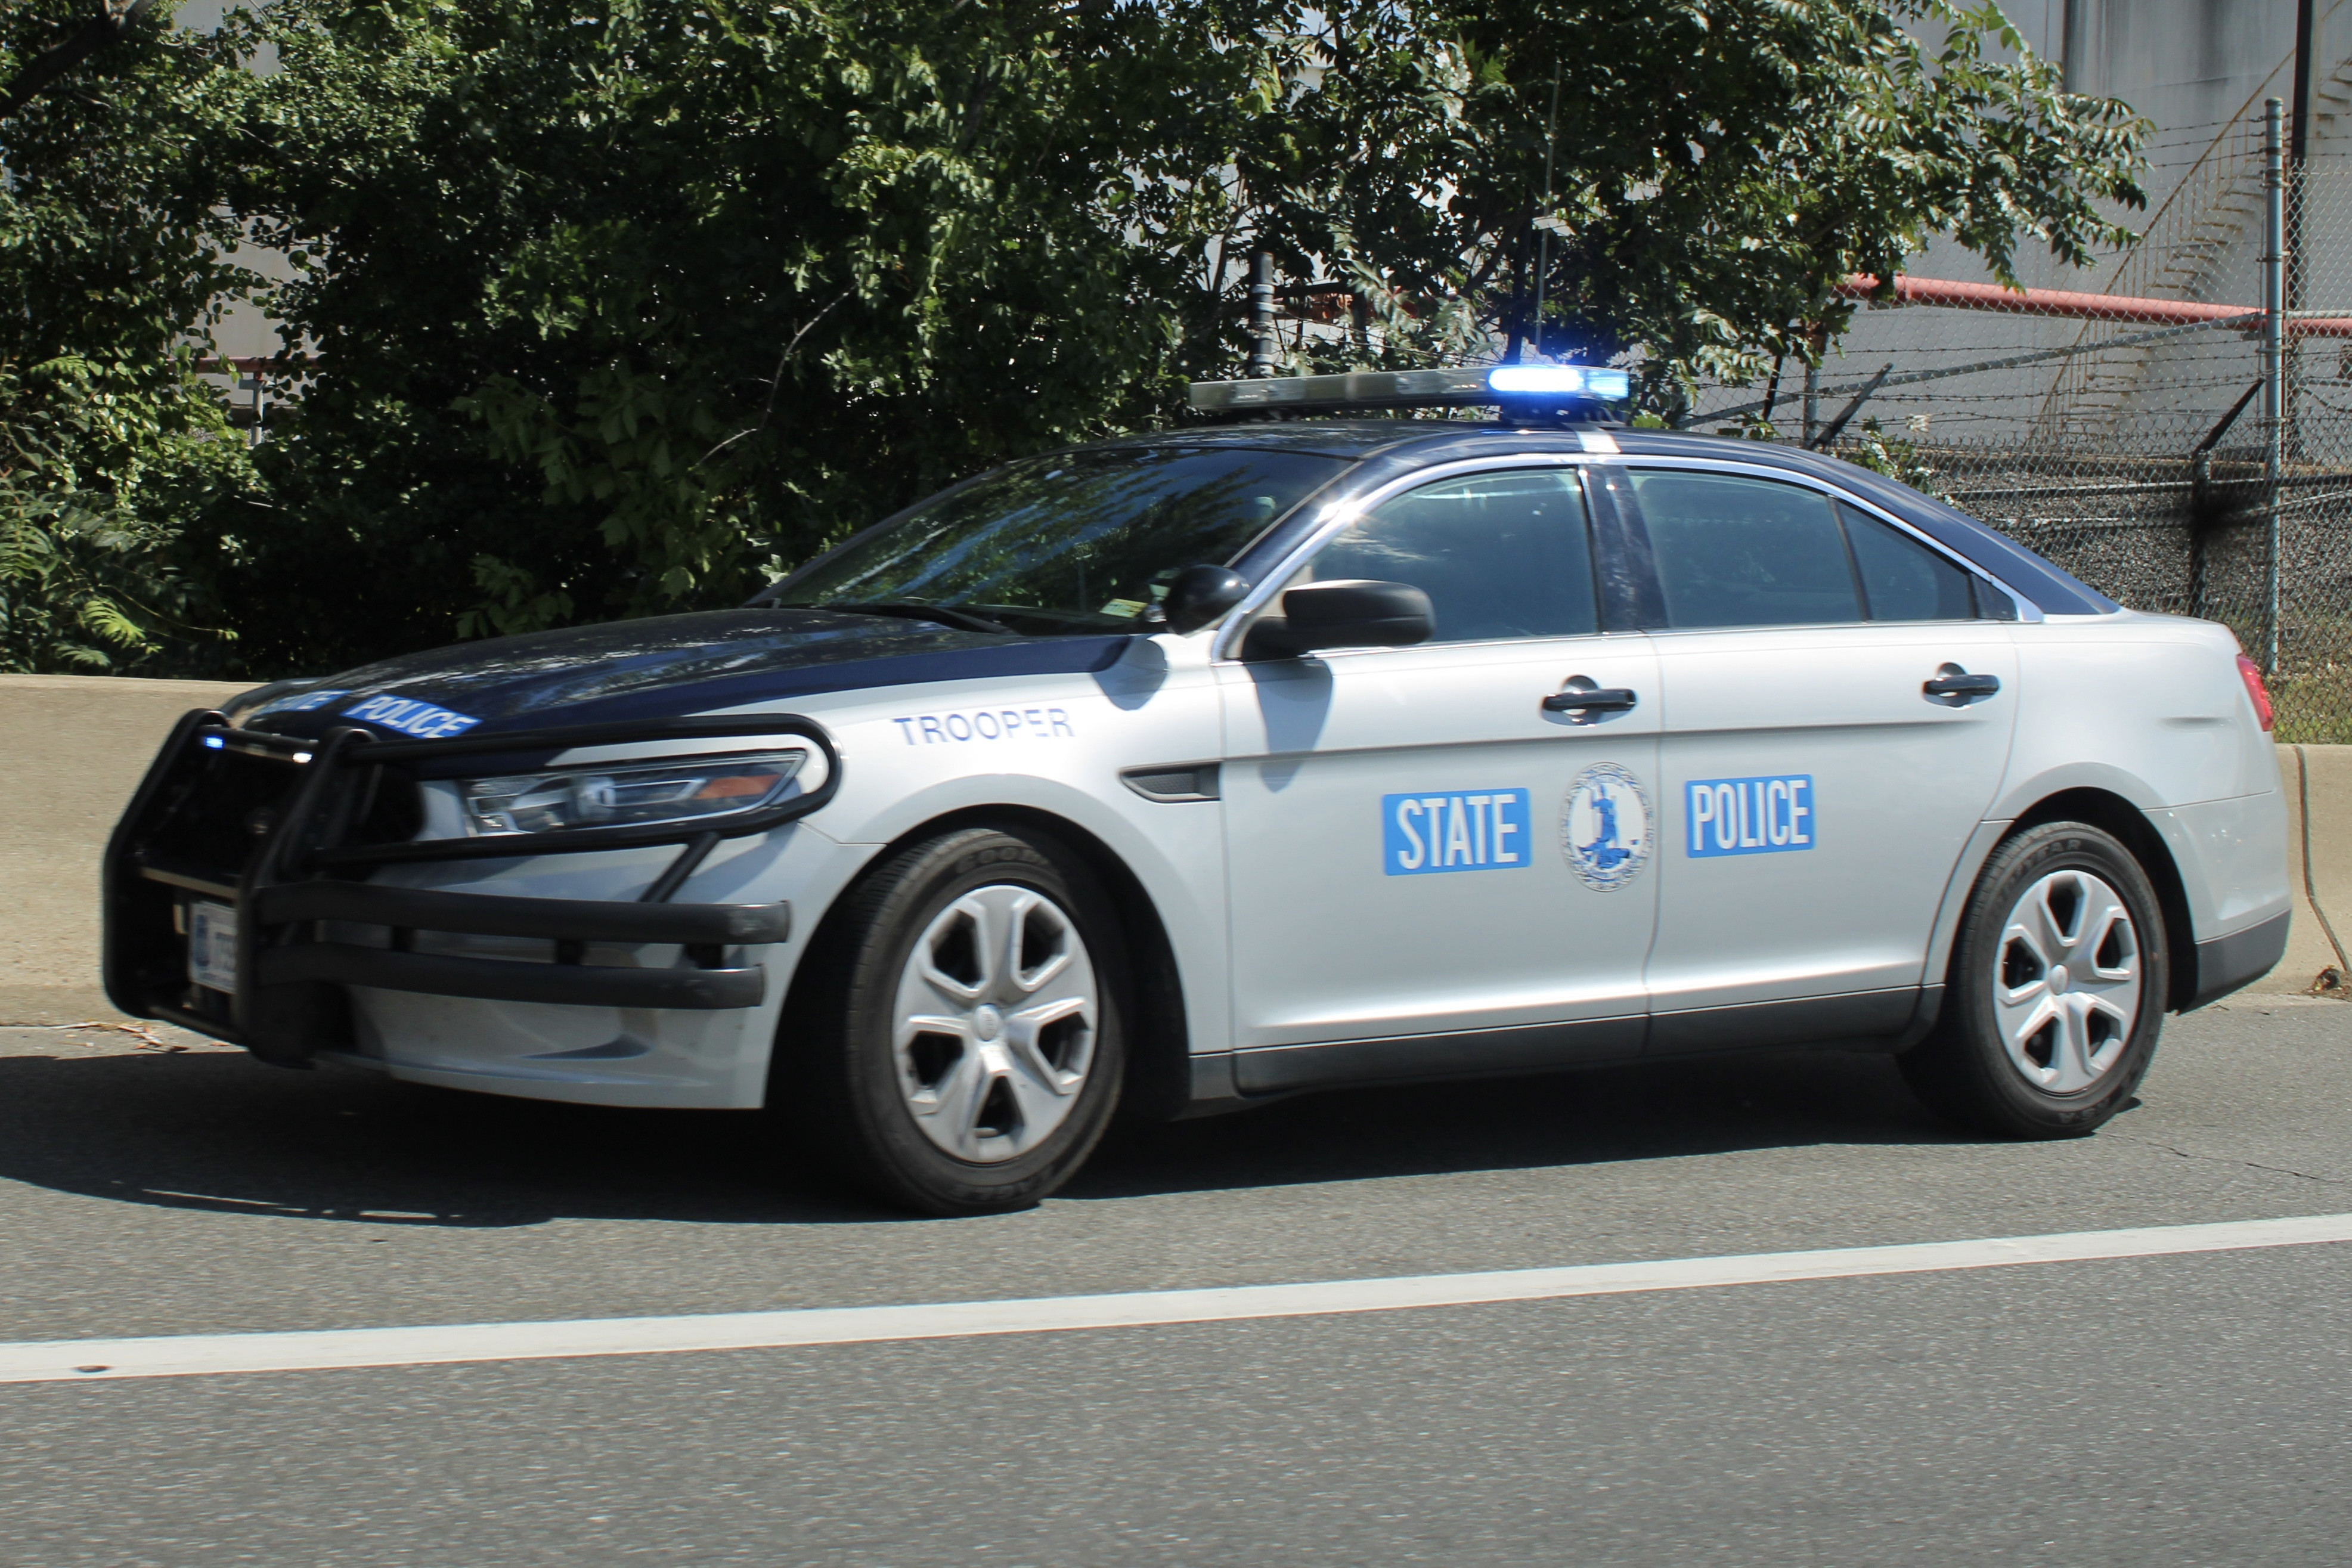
<point x="615" y="306"/>
<point x="113" y="258"/>
<point x="1721" y="166"/>
<point x="620" y="304"/>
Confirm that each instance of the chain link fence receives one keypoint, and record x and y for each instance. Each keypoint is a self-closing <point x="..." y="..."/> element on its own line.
<point x="2124" y="431"/>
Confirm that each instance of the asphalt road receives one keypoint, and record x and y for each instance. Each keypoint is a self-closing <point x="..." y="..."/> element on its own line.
<point x="2154" y="1411"/>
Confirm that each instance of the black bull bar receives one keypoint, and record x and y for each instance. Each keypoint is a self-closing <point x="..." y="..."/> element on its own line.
<point x="284" y="830"/>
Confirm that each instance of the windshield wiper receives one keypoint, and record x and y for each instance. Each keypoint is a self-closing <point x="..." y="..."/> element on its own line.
<point x="962" y="620"/>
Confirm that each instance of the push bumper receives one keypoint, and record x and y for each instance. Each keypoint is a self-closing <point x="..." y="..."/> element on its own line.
<point x="280" y="831"/>
<point x="705" y="931"/>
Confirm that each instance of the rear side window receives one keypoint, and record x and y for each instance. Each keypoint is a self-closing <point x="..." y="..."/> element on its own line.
<point x="1746" y="552"/>
<point x="1733" y="552"/>
<point x="1500" y="555"/>
<point x="1902" y="579"/>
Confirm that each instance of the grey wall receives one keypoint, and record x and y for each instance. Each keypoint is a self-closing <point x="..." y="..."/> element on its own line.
<point x="244" y="331"/>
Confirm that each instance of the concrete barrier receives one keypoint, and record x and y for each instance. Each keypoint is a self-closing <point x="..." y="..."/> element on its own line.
<point x="2319" y="816"/>
<point x="72" y="747"/>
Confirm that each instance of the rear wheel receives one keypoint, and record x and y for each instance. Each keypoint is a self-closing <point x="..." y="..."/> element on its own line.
<point x="2056" y="996"/>
<point x="962" y="1046"/>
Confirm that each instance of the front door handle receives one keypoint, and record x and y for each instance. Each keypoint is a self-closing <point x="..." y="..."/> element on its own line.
<point x="1955" y="687"/>
<point x="1592" y="700"/>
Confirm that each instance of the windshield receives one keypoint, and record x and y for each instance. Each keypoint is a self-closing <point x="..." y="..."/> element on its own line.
<point x="1080" y="542"/>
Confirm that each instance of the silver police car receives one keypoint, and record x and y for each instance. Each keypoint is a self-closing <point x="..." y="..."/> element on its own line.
<point x="1182" y="771"/>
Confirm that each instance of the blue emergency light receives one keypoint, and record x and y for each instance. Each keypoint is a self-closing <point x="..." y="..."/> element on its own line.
<point x="1515" y="381"/>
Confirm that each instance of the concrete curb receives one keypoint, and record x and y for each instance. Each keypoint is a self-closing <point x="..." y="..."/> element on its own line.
<point x="73" y="747"/>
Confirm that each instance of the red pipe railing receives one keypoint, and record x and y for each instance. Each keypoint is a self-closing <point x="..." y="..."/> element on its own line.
<point x="2069" y="303"/>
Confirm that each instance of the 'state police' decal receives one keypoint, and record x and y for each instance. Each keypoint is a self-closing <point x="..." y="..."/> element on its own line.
<point x="1750" y="816"/>
<point x="1454" y="830"/>
<point x="411" y="717"/>
<point x="1605" y="827"/>
<point x="306" y="702"/>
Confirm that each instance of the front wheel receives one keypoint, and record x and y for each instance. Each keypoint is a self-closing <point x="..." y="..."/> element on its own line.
<point x="2056" y="992"/>
<point x="961" y="1051"/>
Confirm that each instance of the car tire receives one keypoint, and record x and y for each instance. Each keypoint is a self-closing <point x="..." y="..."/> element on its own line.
<point x="959" y="1048"/>
<point x="2055" y="995"/>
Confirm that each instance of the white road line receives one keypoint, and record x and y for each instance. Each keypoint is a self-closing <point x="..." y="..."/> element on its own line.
<point x="105" y="1361"/>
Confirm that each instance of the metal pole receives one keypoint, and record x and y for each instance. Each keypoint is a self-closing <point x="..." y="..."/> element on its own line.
<point x="2274" y="366"/>
<point x="2299" y="132"/>
<point x="1264" y="350"/>
<point x="1812" y="400"/>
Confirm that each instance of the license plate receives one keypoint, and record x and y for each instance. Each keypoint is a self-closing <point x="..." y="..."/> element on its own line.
<point x="212" y="946"/>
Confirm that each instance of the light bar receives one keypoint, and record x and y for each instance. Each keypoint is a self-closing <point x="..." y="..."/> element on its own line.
<point x="1507" y="384"/>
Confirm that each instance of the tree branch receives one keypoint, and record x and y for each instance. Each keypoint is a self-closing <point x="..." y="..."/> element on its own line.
<point x="114" y="18"/>
<point x="777" y="381"/>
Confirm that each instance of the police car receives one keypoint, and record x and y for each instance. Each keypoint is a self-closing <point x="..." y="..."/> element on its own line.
<point x="1182" y="771"/>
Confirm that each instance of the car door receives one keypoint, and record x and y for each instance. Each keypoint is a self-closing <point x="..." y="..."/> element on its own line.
<point x="1428" y="870"/>
<point x="1837" y="701"/>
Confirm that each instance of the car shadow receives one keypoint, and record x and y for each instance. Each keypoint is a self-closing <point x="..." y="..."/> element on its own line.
<point x="218" y="1132"/>
<point x="1641" y="1110"/>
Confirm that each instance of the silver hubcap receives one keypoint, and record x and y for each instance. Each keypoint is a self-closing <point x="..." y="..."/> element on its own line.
<point x="995" y="1023"/>
<point x="2065" y="989"/>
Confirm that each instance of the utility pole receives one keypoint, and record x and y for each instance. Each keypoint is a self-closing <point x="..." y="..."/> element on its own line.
<point x="2274" y="366"/>
<point x="1264" y="349"/>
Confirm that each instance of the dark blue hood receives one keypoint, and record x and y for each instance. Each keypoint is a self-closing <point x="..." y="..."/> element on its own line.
<point x="666" y="666"/>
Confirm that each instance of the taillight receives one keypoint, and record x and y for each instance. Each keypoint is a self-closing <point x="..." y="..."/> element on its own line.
<point x="2252" y="673"/>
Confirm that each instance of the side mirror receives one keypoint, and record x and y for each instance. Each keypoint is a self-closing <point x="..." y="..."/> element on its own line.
<point x="1199" y="594"/>
<point x="1347" y="613"/>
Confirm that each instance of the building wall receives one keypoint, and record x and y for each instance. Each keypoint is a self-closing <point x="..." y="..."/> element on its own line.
<point x="2197" y="69"/>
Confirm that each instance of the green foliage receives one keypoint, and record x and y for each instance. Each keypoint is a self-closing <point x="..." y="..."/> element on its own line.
<point x="1899" y="459"/>
<point x="112" y="251"/>
<point x="622" y="305"/>
<point x="606" y="307"/>
<point x="1722" y="166"/>
<point x="86" y="583"/>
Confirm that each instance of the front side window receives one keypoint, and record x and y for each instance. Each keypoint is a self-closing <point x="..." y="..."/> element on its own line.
<point x="1504" y="555"/>
<point x="1735" y="552"/>
<point x="1080" y="542"/>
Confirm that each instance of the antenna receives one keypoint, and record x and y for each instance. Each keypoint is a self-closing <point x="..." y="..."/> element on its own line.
<point x="1545" y="223"/>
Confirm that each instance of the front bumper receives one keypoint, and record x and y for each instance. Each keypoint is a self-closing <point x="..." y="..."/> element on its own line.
<point x="282" y="830"/>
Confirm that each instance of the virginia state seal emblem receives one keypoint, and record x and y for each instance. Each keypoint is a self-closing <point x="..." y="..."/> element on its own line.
<point x="1604" y="828"/>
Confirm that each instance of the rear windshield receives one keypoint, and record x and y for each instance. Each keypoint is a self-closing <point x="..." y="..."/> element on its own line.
<point x="1080" y="542"/>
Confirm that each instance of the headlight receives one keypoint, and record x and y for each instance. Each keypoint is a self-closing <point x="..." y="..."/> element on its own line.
<point x="679" y="789"/>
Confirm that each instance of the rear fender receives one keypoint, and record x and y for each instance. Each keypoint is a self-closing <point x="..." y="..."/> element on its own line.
<point x="2139" y="830"/>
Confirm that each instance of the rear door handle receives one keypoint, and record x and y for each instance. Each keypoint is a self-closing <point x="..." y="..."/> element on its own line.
<point x="1953" y="686"/>
<point x="1593" y="700"/>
